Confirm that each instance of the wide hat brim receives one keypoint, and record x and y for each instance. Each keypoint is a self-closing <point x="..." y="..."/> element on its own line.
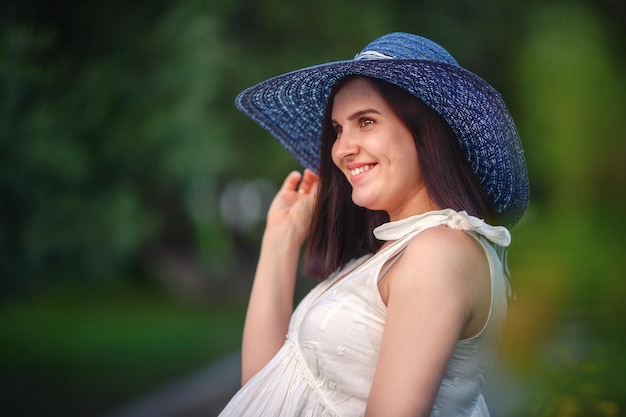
<point x="291" y="107"/>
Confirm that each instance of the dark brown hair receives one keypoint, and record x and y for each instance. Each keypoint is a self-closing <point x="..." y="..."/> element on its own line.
<point x="341" y="230"/>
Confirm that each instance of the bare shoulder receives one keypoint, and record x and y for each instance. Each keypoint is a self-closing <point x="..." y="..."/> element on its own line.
<point x="442" y="241"/>
<point x="449" y="259"/>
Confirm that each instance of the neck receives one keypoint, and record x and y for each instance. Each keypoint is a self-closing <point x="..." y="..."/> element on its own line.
<point x="420" y="203"/>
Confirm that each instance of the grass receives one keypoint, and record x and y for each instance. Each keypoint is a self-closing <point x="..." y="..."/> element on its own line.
<point x="80" y="353"/>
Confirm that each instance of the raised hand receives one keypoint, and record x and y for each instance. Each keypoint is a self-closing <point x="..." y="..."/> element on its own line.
<point x="271" y="299"/>
<point x="291" y="210"/>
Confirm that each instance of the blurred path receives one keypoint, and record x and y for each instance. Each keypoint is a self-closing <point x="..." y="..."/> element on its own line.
<point x="205" y="393"/>
<point x="202" y="394"/>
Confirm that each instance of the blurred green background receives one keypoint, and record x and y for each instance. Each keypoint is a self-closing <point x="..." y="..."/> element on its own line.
<point x="132" y="192"/>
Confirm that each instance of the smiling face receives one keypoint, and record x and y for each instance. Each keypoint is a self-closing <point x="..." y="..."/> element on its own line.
<point x="376" y="152"/>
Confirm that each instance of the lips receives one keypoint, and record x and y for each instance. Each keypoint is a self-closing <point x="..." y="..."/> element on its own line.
<point x="361" y="169"/>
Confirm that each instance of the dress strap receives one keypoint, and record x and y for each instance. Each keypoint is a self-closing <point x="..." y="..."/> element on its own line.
<point x="402" y="231"/>
<point x="455" y="220"/>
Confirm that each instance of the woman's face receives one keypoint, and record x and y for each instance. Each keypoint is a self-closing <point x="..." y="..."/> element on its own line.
<point x="376" y="153"/>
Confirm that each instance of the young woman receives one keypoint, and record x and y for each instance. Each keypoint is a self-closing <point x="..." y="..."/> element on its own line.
<point x="414" y="153"/>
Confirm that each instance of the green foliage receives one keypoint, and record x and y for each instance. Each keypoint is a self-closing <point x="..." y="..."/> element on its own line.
<point x="87" y="147"/>
<point x="572" y="91"/>
<point x="569" y="265"/>
<point x="83" y="353"/>
<point x="69" y="204"/>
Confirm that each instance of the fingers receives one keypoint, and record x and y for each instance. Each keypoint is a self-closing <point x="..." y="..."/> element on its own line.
<point x="302" y="183"/>
<point x="308" y="182"/>
<point x="292" y="181"/>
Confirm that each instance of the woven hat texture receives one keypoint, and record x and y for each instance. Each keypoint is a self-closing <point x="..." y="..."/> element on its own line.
<point x="291" y="108"/>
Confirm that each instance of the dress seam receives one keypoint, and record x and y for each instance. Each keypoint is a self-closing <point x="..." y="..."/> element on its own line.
<point x="314" y="384"/>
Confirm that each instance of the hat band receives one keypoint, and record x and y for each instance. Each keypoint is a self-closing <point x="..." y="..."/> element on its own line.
<point x="366" y="55"/>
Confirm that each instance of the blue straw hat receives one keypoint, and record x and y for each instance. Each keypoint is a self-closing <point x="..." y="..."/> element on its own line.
<point x="291" y="107"/>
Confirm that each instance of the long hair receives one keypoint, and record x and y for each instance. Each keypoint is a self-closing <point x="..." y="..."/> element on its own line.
<point x="341" y="230"/>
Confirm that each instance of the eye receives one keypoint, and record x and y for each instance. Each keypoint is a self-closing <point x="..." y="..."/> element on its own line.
<point x="337" y="128"/>
<point x="365" y="121"/>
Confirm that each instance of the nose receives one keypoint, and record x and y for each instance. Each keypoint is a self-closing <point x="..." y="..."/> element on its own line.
<point x="344" y="146"/>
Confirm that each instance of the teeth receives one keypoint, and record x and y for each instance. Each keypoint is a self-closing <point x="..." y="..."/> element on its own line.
<point x="360" y="170"/>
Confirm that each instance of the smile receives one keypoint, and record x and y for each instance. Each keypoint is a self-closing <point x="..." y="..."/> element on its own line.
<point x="356" y="171"/>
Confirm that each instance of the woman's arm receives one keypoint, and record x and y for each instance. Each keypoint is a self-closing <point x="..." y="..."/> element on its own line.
<point x="437" y="293"/>
<point x="271" y="299"/>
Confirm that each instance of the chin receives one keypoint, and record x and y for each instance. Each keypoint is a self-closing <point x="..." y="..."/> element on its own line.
<point x="365" y="203"/>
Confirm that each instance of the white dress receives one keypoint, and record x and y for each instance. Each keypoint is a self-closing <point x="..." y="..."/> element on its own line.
<point x="326" y="366"/>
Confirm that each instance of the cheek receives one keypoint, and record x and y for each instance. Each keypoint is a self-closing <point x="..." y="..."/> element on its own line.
<point x="407" y="162"/>
<point x="333" y="155"/>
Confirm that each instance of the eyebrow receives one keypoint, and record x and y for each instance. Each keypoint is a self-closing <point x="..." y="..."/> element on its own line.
<point x="359" y="113"/>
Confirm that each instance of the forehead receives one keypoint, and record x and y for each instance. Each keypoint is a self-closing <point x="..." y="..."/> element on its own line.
<point x="355" y="95"/>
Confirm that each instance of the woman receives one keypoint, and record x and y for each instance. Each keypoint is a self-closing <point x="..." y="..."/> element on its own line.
<point x="413" y="152"/>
